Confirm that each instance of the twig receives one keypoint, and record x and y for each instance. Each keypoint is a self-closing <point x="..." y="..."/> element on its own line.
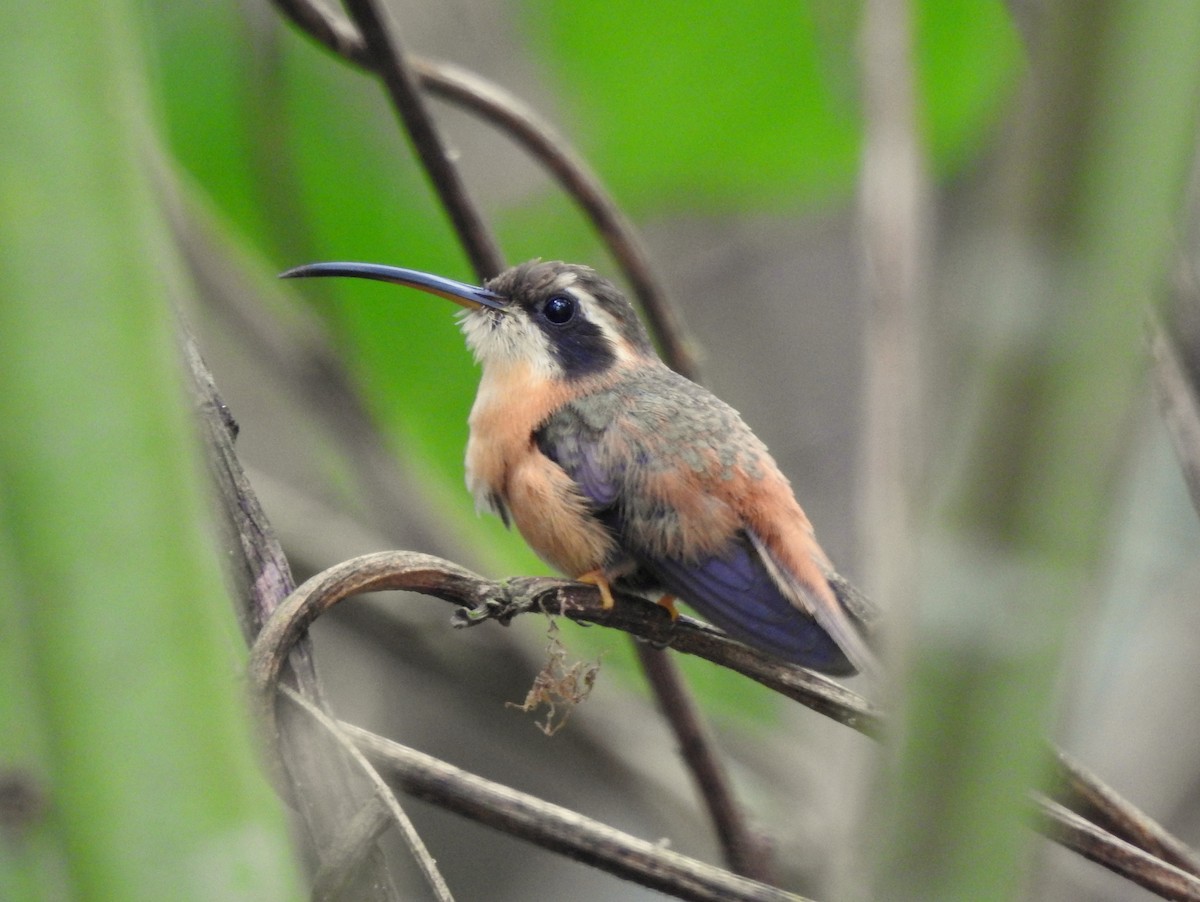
<point x="1087" y="795"/>
<point x="558" y="829"/>
<point x="329" y="29"/>
<point x="393" y="70"/>
<point x="746" y="851"/>
<point x="1098" y="845"/>
<point x="341" y="865"/>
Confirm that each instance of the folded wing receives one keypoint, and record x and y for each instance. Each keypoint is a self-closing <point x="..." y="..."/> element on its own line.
<point x="736" y="585"/>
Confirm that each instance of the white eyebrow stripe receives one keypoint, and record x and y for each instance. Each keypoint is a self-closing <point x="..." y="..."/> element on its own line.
<point x="565" y="280"/>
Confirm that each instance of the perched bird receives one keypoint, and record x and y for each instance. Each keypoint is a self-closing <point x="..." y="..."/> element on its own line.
<point x="620" y="472"/>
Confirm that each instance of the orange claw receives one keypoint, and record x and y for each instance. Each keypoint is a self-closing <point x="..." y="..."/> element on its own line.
<point x="668" y="602"/>
<point x="600" y="581"/>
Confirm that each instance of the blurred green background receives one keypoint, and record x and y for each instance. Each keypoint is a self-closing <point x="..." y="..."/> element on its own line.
<point x="733" y="134"/>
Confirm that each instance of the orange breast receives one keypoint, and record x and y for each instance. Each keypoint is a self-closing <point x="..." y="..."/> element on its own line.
<point x="503" y="461"/>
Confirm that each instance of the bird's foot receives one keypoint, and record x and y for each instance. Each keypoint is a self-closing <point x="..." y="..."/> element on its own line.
<point x="667" y="603"/>
<point x="600" y="581"/>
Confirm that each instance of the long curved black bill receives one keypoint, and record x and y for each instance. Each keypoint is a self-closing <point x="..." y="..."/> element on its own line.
<point x="470" y="296"/>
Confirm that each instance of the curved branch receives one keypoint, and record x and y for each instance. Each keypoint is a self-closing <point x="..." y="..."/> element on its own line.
<point x="522" y="125"/>
<point x="481" y="599"/>
<point x="484" y="600"/>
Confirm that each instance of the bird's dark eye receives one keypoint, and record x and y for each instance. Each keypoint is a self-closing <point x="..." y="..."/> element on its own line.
<point x="559" y="309"/>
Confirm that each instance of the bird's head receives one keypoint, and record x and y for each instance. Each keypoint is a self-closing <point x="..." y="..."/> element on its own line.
<point x="563" y="320"/>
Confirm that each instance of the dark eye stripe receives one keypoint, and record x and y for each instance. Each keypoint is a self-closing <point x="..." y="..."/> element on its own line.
<point x="580" y="347"/>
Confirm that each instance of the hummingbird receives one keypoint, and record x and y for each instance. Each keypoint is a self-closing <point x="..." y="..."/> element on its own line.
<point x="622" y="473"/>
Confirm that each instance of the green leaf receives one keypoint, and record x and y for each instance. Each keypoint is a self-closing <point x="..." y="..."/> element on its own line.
<point x="114" y="613"/>
<point x="721" y="105"/>
<point x="967" y="57"/>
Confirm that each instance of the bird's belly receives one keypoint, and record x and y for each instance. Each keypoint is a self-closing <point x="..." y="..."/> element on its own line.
<point x="555" y="519"/>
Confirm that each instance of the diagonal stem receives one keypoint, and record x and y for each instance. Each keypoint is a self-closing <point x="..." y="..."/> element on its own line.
<point x="397" y="76"/>
<point x="1096" y="844"/>
<point x="746" y="851"/>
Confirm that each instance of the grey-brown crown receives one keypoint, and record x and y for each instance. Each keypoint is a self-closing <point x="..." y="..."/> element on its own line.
<point x="533" y="283"/>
